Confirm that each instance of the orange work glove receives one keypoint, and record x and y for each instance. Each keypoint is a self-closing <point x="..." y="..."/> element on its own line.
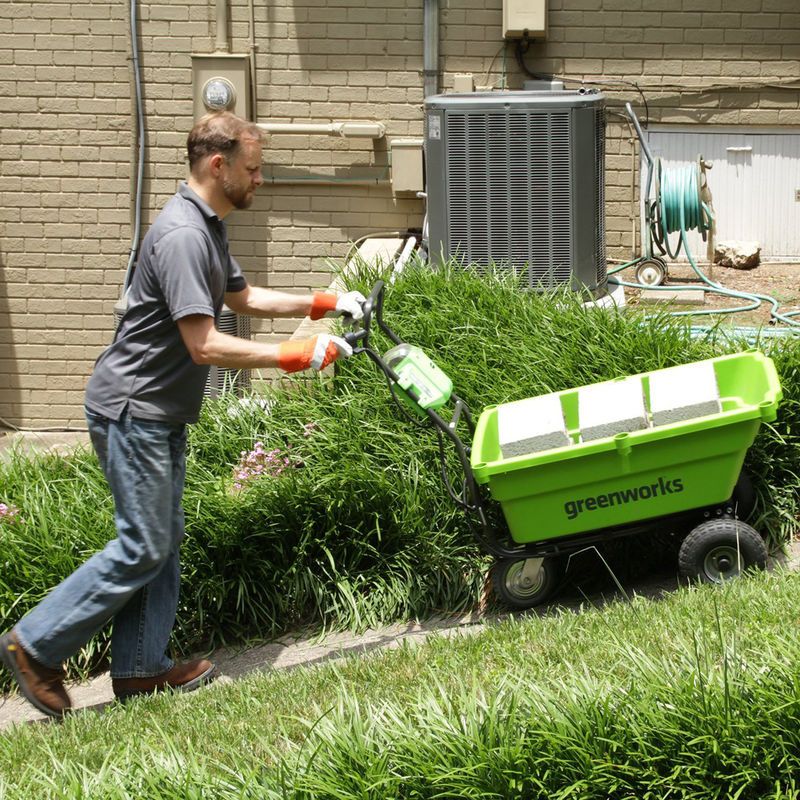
<point x="316" y="352"/>
<point x="327" y="304"/>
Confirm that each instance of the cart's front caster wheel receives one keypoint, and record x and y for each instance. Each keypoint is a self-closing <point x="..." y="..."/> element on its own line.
<point x="721" y="549"/>
<point x="651" y="272"/>
<point x="525" y="582"/>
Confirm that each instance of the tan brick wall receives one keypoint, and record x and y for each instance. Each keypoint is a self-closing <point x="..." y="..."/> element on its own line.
<point x="65" y="132"/>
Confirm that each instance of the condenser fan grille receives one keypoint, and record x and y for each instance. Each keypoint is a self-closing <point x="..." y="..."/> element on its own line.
<point x="508" y="191"/>
<point x="600" y="156"/>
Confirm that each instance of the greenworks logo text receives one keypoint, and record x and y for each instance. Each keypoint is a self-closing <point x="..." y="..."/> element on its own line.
<point x="662" y="487"/>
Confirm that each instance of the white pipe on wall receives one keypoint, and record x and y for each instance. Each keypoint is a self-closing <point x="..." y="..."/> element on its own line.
<point x="324" y="180"/>
<point x="357" y="130"/>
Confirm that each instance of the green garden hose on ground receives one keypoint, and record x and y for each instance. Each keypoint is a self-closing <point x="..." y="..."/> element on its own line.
<point x="679" y="207"/>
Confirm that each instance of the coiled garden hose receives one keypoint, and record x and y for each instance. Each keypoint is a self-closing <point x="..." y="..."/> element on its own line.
<point x="678" y="208"/>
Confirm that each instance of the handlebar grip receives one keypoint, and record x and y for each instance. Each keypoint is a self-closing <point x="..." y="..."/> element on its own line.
<point x="373" y="301"/>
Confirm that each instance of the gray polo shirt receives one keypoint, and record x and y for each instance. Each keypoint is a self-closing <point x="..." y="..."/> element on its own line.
<point x="184" y="267"/>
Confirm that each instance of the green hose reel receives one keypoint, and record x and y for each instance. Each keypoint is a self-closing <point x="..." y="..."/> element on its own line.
<point x="682" y="203"/>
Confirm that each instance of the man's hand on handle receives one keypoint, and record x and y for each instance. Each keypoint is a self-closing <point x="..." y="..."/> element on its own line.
<point x="314" y="353"/>
<point x="327" y="304"/>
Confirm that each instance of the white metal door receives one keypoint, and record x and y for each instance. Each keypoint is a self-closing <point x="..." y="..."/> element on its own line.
<point x="755" y="183"/>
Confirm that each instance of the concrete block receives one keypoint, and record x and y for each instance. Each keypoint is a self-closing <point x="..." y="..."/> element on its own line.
<point x="532" y="425"/>
<point x="685" y="297"/>
<point x="684" y="392"/>
<point x="612" y="407"/>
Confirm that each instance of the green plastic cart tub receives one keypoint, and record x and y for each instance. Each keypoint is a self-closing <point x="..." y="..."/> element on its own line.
<point x="633" y="476"/>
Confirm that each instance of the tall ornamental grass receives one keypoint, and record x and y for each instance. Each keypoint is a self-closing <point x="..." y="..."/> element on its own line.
<point x="319" y="503"/>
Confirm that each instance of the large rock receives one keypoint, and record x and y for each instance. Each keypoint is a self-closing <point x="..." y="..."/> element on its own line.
<point x="739" y="255"/>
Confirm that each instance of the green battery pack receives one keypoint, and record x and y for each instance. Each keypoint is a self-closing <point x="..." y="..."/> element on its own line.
<point x="417" y="373"/>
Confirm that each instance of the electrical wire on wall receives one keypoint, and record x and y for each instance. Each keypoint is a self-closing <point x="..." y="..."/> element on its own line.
<point x="501" y="82"/>
<point x="521" y="50"/>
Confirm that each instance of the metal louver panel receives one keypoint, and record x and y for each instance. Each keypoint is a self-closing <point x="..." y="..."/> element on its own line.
<point x="600" y="159"/>
<point x="222" y="379"/>
<point x="509" y="191"/>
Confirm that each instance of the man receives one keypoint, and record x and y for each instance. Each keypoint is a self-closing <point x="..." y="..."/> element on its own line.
<point x="144" y="389"/>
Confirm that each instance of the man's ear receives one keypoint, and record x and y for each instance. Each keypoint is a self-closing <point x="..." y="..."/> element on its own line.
<point x="215" y="162"/>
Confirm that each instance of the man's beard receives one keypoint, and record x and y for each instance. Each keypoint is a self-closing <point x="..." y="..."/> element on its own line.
<point x="238" y="196"/>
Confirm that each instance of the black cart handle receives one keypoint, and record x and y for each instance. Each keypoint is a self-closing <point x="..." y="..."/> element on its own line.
<point x="373" y="307"/>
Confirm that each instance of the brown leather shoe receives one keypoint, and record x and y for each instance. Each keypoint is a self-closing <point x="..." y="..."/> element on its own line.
<point x="42" y="687"/>
<point x="181" y="678"/>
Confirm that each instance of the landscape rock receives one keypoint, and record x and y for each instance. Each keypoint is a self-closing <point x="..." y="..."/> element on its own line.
<point x="738" y="255"/>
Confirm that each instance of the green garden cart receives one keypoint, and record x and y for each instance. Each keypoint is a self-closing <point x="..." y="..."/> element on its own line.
<point x="682" y="475"/>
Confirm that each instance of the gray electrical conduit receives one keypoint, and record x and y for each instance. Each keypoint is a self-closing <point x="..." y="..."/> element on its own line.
<point x="430" y="57"/>
<point x="253" y="72"/>
<point x="137" y="225"/>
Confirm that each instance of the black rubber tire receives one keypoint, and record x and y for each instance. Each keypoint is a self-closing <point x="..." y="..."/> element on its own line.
<point x="515" y="591"/>
<point x="720" y="549"/>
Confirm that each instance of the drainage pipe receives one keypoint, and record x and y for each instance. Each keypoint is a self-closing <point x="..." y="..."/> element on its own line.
<point x="430" y="35"/>
<point x="222" y="27"/>
<point x="402" y="259"/>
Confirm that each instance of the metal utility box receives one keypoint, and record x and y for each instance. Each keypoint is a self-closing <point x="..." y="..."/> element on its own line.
<point x="407" y="173"/>
<point x="524" y="17"/>
<point x="233" y="69"/>
<point x="516" y="180"/>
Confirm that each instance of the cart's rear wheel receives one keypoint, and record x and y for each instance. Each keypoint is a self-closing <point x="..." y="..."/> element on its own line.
<point x="720" y="549"/>
<point x="525" y="582"/>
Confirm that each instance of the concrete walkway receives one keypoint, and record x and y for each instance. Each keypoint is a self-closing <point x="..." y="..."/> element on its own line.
<point x="42" y="441"/>
<point x="285" y="653"/>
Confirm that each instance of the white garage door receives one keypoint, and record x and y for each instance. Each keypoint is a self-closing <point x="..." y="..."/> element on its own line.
<point x="755" y="182"/>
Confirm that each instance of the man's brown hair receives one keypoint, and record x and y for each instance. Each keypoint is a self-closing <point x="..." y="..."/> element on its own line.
<point x="219" y="132"/>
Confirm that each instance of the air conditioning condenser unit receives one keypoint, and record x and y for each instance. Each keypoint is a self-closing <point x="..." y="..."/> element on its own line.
<point x="515" y="180"/>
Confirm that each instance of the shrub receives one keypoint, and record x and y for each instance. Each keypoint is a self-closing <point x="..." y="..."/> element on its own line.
<point x="355" y="528"/>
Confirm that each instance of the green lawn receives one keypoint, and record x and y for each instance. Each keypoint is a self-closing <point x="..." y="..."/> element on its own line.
<point x="693" y="695"/>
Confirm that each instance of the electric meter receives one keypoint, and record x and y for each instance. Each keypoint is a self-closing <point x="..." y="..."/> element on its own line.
<point x="218" y="94"/>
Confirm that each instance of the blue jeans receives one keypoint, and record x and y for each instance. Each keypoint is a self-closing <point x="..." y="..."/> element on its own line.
<point x="135" y="579"/>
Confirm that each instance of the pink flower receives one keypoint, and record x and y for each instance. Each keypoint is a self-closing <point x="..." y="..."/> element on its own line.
<point x="9" y="514"/>
<point x="258" y="462"/>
